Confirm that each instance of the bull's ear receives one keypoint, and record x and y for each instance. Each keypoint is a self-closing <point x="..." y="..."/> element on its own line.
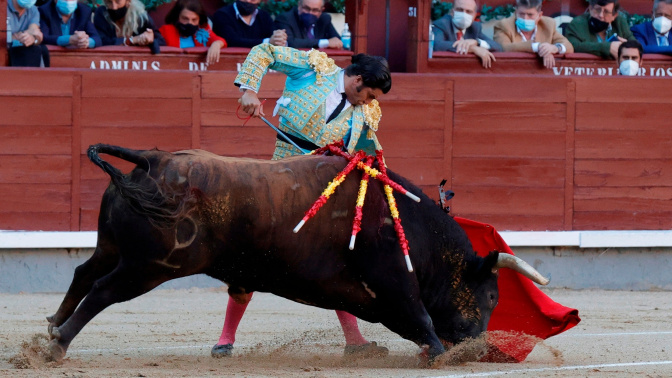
<point x="489" y="265"/>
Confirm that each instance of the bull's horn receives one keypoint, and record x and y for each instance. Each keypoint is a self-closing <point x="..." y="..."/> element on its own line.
<point x="506" y="260"/>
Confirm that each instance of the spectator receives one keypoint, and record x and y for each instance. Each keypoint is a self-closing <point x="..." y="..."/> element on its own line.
<point x="23" y="19"/>
<point x="308" y="27"/>
<point x="187" y="26"/>
<point x="65" y="23"/>
<point x="655" y="35"/>
<point x="630" y="58"/>
<point x="125" y="22"/>
<point x="600" y="31"/>
<point x="457" y="32"/>
<point x="242" y="24"/>
<point x="528" y="30"/>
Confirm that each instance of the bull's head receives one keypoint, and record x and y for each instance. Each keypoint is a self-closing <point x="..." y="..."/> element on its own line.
<point x="474" y="295"/>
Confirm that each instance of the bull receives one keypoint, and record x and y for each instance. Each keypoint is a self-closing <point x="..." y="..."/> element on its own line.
<point x="190" y="212"/>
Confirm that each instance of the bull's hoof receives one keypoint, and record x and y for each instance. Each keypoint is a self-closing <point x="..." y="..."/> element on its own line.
<point x="424" y="359"/>
<point x="54" y="332"/>
<point x="56" y="351"/>
<point x="219" y="351"/>
<point x="51" y="325"/>
<point x="370" y="350"/>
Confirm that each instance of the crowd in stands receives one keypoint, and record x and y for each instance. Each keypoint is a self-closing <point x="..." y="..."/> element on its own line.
<point x="602" y="31"/>
<point x="68" y="23"/>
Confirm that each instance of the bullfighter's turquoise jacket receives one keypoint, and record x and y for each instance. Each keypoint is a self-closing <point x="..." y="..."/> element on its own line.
<point x="311" y="76"/>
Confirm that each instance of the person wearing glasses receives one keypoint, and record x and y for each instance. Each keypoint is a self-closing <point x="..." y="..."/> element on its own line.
<point x="308" y="27"/>
<point x="600" y="31"/>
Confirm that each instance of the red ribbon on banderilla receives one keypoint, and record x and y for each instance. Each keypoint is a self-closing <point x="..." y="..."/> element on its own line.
<point x="364" y="163"/>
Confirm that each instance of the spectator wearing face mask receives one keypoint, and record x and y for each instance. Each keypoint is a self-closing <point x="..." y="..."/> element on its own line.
<point x="600" y="31"/>
<point x="187" y="26"/>
<point x="243" y="24"/>
<point x="457" y="32"/>
<point x="528" y="30"/>
<point x="24" y="45"/>
<point x="66" y="23"/>
<point x="655" y="35"/>
<point x="629" y="58"/>
<point x="126" y="23"/>
<point x="308" y="27"/>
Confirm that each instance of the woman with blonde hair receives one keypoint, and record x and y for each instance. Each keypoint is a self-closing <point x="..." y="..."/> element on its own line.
<point x="125" y="22"/>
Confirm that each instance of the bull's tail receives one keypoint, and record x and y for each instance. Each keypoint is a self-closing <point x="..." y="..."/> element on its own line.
<point x="133" y="156"/>
<point x="162" y="205"/>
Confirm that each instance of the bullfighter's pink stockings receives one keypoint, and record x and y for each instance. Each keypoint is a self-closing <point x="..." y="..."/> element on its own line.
<point x="350" y="329"/>
<point x="235" y="311"/>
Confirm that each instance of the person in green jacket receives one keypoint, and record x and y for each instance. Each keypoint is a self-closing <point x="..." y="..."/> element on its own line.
<point x="600" y="31"/>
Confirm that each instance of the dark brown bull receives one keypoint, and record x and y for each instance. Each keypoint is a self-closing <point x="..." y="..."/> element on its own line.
<point x="191" y="212"/>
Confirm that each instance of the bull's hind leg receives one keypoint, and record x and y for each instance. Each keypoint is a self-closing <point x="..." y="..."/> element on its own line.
<point x="104" y="260"/>
<point x="121" y="285"/>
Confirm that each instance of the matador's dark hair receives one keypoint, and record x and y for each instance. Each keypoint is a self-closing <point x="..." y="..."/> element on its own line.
<point x="374" y="70"/>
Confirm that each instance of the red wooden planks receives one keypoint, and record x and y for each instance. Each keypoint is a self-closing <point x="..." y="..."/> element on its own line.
<point x="510" y="116"/>
<point x="627" y="144"/>
<point x="35" y="197"/>
<point x="624" y="173"/>
<point x="509" y="143"/>
<point x="509" y="172"/>
<point x="32" y="110"/>
<point x="623" y="116"/>
<point x="136" y="112"/>
<point x="35" y="139"/>
<point x="38" y="169"/>
<point x="137" y="84"/>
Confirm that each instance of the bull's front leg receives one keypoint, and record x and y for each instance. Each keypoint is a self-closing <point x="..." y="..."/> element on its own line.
<point x="411" y="321"/>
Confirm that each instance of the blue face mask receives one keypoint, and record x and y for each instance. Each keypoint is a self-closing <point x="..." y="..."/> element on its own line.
<point x="526" y="25"/>
<point x="308" y="19"/>
<point x="66" y="7"/>
<point x="25" y="4"/>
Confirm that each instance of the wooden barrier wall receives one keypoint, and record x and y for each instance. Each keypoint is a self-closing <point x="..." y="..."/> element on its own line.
<point x="514" y="63"/>
<point x="125" y="58"/>
<point x="521" y="152"/>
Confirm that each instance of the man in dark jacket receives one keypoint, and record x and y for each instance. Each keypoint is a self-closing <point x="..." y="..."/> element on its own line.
<point x="66" y="23"/>
<point x="655" y="35"/>
<point x="243" y="24"/>
<point x="600" y="31"/>
<point x="457" y="32"/>
<point x="308" y="27"/>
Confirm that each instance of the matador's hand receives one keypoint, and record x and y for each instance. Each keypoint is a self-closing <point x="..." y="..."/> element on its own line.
<point x="250" y="104"/>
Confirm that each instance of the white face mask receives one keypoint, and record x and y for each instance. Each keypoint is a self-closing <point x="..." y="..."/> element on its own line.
<point x="629" y="68"/>
<point x="662" y="24"/>
<point x="462" y="20"/>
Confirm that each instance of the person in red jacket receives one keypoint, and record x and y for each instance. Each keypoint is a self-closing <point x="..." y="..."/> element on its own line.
<point x="187" y="26"/>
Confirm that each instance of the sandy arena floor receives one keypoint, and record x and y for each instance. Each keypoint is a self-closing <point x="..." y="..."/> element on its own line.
<point x="169" y="333"/>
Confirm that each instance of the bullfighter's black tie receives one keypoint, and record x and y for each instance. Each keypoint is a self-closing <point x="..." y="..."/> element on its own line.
<point x="338" y="109"/>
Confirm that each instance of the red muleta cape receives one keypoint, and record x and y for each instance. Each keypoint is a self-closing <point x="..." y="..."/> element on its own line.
<point x="522" y="307"/>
